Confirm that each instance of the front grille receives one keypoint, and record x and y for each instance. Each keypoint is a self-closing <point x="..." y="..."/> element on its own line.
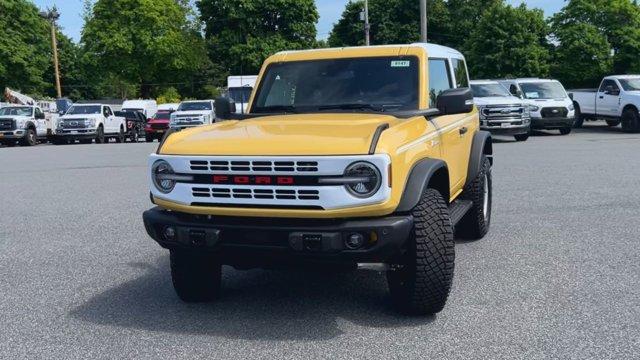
<point x="255" y="166"/>
<point x="7" y="124"/>
<point x="72" y="124"/>
<point x="188" y="119"/>
<point x="554" y="112"/>
<point x="500" y="112"/>
<point x="255" y="193"/>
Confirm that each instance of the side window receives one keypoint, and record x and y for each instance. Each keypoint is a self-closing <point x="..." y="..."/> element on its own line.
<point x="439" y="79"/>
<point x="608" y="83"/>
<point x="38" y="112"/>
<point x="460" y="72"/>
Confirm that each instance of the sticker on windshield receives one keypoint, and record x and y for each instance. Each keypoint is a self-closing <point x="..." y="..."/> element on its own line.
<point x="532" y="95"/>
<point x="400" y="63"/>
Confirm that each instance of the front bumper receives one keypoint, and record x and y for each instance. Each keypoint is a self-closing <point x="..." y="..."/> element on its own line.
<point x="75" y="134"/>
<point x="264" y="241"/>
<point x="507" y="130"/>
<point x="552" y="123"/>
<point x="13" y="134"/>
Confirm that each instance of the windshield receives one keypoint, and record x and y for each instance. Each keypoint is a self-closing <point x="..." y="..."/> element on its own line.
<point x="164" y="115"/>
<point x="17" y="111"/>
<point x="489" y="90"/>
<point x="543" y="90"/>
<point x="364" y="83"/>
<point x="630" y="84"/>
<point x="195" y="106"/>
<point x="84" y="109"/>
<point x="240" y="94"/>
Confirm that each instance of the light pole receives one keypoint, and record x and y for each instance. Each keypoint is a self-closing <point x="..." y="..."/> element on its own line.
<point x="365" y="16"/>
<point x="52" y="16"/>
<point x="423" y="21"/>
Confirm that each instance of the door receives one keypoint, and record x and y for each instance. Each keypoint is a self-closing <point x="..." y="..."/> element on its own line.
<point x="109" y="120"/>
<point x="454" y="129"/>
<point x="608" y="98"/>
<point x="41" y="122"/>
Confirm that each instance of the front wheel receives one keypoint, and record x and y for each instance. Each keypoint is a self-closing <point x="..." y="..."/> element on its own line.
<point x="196" y="277"/>
<point x="565" y="131"/>
<point x="420" y="281"/>
<point x="100" y="139"/>
<point x="30" y="138"/>
<point x="579" y="119"/>
<point x="521" y="137"/>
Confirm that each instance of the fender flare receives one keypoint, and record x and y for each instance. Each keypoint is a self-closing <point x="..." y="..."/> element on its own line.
<point x="482" y="146"/>
<point x="30" y="124"/>
<point x="419" y="179"/>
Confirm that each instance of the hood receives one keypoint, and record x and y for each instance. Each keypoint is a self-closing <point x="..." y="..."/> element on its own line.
<point x="497" y="100"/>
<point x="14" y="117"/>
<point x="304" y="134"/>
<point x="549" y="102"/>
<point x="192" y="113"/>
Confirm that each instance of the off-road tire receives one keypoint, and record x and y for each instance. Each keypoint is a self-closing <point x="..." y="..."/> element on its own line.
<point x="196" y="277"/>
<point x="631" y="120"/>
<point x="100" y="139"/>
<point x="120" y="137"/>
<point x="565" y="131"/>
<point x="579" y="118"/>
<point x="420" y="281"/>
<point x="521" y="137"/>
<point x="30" y="138"/>
<point x="475" y="224"/>
<point x="613" y="123"/>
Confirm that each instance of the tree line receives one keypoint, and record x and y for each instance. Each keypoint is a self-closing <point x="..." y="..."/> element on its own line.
<point x="173" y="49"/>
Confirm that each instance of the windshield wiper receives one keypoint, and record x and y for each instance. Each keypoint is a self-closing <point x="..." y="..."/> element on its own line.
<point x="356" y="106"/>
<point x="276" y="108"/>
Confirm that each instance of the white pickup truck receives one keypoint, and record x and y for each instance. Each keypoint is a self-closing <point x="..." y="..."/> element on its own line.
<point x="87" y="122"/>
<point x="25" y="124"/>
<point x="617" y="100"/>
<point x="500" y="112"/>
<point x="192" y="113"/>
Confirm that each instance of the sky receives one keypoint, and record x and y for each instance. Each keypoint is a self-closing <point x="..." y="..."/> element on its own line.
<point x="330" y="11"/>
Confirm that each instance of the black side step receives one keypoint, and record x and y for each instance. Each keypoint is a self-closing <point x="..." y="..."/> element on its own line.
<point x="458" y="209"/>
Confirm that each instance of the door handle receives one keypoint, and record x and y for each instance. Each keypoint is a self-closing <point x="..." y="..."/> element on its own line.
<point x="601" y="96"/>
<point x="463" y="130"/>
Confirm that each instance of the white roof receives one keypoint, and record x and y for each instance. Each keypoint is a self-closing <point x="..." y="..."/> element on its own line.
<point x="138" y="102"/>
<point x="534" y="80"/>
<point x="433" y="50"/>
<point x="483" y="82"/>
<point x="89" y="104"/>
<point x="190" y="101"/>
<point x="622" y="76"/>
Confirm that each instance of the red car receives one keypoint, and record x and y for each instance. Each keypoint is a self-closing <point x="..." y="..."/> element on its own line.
<point x="157" y="125"/>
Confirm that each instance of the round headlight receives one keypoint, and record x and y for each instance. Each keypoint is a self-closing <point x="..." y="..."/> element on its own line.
<point x="159" y="171"/>
<point x="366" y="179"/>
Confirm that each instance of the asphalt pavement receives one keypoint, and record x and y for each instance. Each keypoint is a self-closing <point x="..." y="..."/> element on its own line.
<point x="557" y="277"/>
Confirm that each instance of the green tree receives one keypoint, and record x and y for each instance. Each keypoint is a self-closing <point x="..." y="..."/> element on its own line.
<point x="616" y="22"/>
<point x="168" y="95"/>
<point x="508" y="41"/>
<point x="25" y="46"/>
<point x="242" y="33"/>
<point x="142" y="42"/>
<point x="463" y="16"/>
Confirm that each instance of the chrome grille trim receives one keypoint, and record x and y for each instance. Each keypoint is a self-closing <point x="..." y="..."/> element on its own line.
<point x="249" y="166"/>
<point x="218" y="191"/>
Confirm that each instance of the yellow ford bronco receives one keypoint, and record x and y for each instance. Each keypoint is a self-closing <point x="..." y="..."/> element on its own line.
<point x="368" y="156"/>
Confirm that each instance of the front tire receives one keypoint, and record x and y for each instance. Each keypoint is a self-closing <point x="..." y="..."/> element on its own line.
<point x="30" y="138"/>
<point x="196" y="277"/>
<point x="475" y="224"/>
<point x="100" y="139"/>
<point x="420" y="281"/>
<point x="578" y="115"/>
<point x="521" y="137"/>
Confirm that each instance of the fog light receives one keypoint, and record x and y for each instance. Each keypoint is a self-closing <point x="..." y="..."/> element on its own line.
<point x="354" y="241"/>
<point x="169" y="233"/>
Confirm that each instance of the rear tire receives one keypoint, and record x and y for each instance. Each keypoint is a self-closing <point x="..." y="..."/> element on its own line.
<point x="578" y="115"/>
<point x="475" y="224"/>
<point x="196" y="277"/>
<point x="631" y="120"/>
<point x="613" y="123"/>
<point x="565" y="131"/>
<point x="521" y="137"/>
<point x="420" y="281"/>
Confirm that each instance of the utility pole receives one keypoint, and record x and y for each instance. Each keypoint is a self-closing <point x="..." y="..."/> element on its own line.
<point x="423" y="21"/>
<point x="52" y="16"/>
<point x="367" y="27"/>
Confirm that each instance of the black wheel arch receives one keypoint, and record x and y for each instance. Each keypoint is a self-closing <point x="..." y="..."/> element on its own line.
<point x="426" y="173"/>
<point x="481" y="147"/>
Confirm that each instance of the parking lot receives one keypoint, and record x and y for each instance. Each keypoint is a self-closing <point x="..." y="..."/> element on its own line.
<point x="557" y="277"/>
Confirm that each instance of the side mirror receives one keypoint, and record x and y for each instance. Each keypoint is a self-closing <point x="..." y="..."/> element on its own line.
<point x="571" y="96"/>
<point x="61" y="112"/>
<point x="224" y="108"/>
<point x="455" y="101"/>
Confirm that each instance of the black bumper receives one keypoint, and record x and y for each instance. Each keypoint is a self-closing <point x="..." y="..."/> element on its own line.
<point x="74" y="136"/>
<point x="258" y="241"/>
<point x="551" y="123"/>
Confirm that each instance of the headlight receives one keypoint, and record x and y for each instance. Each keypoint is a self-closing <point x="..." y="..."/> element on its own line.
<point x="571" y="107"/>
<point x="160" y="170"/>
<point x="366" y="179"/>
<point x="90" y="122"/>
<point x="21" y="123"/>
<point x="534" y="108"/>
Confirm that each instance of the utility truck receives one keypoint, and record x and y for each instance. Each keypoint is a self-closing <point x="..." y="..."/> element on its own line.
<point x="617" y="101"/>
<point x="365" y="156"/>
<point x="23" y="124"/>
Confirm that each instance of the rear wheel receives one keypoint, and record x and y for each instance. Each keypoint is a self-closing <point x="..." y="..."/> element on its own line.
<point x="631" y="120"/>
<point x="613" y="123"/>
<point x="421" y="279"/>
<point x="30" y="138"/>
<point x="196" y="277"/>
<point x="521" y="137"/>
<point x="100" y="139"/>
<point x="475" y="224"/>
<point x="565" y="131"/>
<point x="579" y="118"/>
